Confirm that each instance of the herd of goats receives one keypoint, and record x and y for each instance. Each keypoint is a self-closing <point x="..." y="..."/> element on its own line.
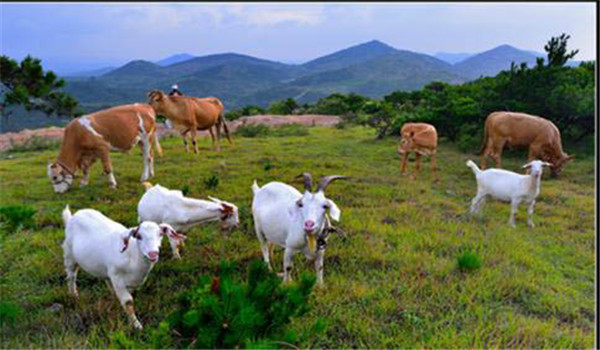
<point x="283" y="216"/>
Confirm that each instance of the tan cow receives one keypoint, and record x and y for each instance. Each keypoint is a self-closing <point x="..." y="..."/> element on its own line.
<point x="519" y="130"/>
<point x="92" y="136"/>
<point x="420" y="138"/>
<point x="190" y="114"/>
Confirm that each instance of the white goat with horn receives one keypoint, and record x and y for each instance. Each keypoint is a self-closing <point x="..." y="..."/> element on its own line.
<point x="294" y="221"/>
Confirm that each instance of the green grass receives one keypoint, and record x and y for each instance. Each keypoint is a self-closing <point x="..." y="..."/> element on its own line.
<point x="392" y="283"/>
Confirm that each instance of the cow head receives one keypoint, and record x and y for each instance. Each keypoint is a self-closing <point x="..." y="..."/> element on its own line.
<point x="60" y="177"/>
<point x="559" y="163"/>
<point x="406" y="142"/>
<point x="312" y="206"/>
<point x="156" y="98"/>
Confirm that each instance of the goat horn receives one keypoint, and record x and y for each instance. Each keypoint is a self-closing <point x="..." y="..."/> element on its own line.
<point x="307" y="181"/>
<point x="326" y="180"/>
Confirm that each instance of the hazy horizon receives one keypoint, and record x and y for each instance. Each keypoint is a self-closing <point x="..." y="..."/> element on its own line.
<point x="71" y="37"/>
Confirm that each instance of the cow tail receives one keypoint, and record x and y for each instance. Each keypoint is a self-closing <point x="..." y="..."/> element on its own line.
<point x="159" y="150"/>
<point x="485" y="138"/>
<point x="224" y="123"/>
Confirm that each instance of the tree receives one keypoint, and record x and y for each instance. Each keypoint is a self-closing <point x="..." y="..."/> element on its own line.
<point x="26" y="84"/>
<point x="557" y="51"/>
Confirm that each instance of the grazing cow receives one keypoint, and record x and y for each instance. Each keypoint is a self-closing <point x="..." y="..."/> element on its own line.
<point x="92" y="136"/>
<point x="518" y="130"/>
<point x="190" y="114"/>
<point x="420" y="138"/>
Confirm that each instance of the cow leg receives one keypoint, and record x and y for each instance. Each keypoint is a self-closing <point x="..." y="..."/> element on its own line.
<point x="418" y="165"/>
<point x="433" y="167"/>
<point x="403" y="166"/>
<point x="497" y="153"/>
<point x="218" y="125"/>
<point x="212" y="136"/>
<point x="147" y="158"/>
<point x="185" y="143"/>
<point x="107" y="165"/>
<point x="85" y="180"/>
<point x="194" y="134"/>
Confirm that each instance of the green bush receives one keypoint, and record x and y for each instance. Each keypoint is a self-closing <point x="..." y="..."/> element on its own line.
<point x="283" y="107"/>
<point x="468" y="261"/>
<point x="211" y="182"/>
<point x="16" y="217"/>
<point x="293" y="129"/>
<point x="9" y="312"/>
<point x="259" y="130"/>
<point x="252" y="130"/>
<point x="469" y="138"/>
<point x="36" y="143"/>
<point x="220" y="312"/>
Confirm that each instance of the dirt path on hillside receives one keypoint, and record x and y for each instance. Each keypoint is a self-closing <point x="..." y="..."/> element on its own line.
<point x="10" y="139"/>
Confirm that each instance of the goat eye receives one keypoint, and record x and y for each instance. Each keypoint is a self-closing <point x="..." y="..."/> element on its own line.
<point x="299" y="204"/>
<point x="325" y="206"/>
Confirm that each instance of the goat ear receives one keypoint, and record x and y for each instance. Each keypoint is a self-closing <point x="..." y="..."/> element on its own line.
<point x="166" y="229"/>
<point x="125" y="236"/>
<point x="527" y="165"/>
<point x="334" y="211"/>
<point x="547" y="164"/>
<point x="216" y="200"/>
<point x="226" y="208"/>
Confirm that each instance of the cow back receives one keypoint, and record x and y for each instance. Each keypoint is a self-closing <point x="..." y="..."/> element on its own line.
<point x="120" y="125"/>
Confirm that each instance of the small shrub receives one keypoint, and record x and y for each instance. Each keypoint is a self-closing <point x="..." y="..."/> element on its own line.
<point x="185" y="189"/>
<point x="293" y="129"/>
<point x="468" y="261"/>
<point x="220" y="313"/>
<point x="211" y="182"/>
<point x="16" y="217"/>
<point x="36" y="143"/>
<point x="252" y="130"/>
<point x="9" y="312"/>
<point x="469" y="138"/>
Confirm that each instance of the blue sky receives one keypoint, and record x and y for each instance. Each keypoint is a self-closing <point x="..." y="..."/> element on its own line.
<point x="70" y="36"/>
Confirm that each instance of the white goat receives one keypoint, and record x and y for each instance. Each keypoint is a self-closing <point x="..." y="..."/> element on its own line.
<point x="102" y="248"/>
<point x="159" y="204"/>
<point x="508" y="186"/>
<point x="297" y="222"/>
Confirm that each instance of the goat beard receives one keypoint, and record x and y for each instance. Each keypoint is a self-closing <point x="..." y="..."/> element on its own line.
<point x="312" y="242"/>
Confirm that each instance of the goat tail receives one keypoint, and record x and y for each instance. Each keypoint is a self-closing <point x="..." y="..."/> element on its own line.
<point x="147" y="185"/>
<point x="66" y="214"/>
<point x="471" y="164"/>
<point x="255" y="187"/>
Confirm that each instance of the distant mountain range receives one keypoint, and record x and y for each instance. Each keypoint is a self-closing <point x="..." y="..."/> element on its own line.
<point x="372" y="69"/>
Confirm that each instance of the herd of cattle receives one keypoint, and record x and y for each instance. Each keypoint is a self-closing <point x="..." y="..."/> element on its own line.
<point x="283" y="216"/>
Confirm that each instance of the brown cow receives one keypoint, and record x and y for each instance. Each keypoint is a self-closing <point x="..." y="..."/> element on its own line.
<point x="92" y="136"/>
<point x="420" y="138"/>
<point x="519" y="130"/>
<point x="190" y="114"/>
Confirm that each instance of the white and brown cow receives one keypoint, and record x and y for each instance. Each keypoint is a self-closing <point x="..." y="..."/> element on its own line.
<point x="94" y="135"/>
<point x="420" y="138"/>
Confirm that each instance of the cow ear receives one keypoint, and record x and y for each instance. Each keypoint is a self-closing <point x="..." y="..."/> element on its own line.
<point x="334" y="211"/>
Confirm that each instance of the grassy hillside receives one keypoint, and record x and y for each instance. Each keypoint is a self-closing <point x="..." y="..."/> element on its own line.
<point x="393" y="283"/>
